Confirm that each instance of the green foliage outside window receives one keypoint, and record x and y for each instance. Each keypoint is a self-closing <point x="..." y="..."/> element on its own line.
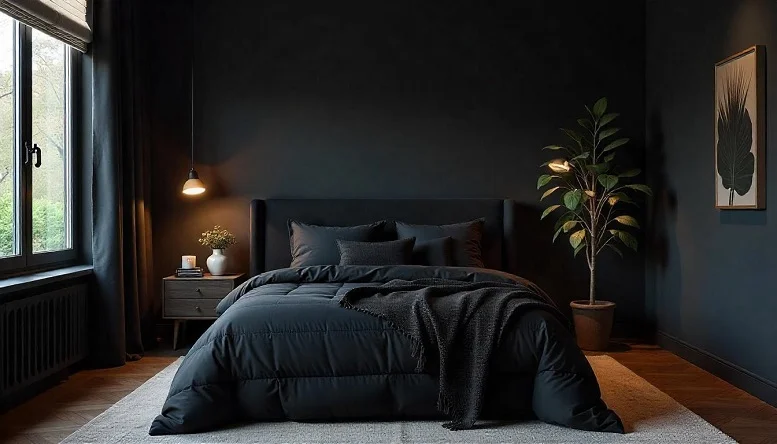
<point x="48" y="226"/>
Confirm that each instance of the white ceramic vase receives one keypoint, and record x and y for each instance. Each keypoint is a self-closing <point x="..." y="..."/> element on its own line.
<point x="217" y="262"/>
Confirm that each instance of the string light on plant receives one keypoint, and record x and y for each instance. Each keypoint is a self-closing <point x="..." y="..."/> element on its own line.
<point x="559" y="166"/>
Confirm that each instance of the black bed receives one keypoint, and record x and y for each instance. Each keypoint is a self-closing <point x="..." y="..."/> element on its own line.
<point x="285" y="349"/>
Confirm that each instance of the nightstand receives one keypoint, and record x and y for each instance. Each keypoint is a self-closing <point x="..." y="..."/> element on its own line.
<point x="186" y="299"/>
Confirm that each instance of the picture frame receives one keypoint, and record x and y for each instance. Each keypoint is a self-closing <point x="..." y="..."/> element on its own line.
<point x="740" y="130"/>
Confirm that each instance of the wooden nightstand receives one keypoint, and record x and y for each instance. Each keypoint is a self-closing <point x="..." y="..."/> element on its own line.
<point x="194" y="298"/>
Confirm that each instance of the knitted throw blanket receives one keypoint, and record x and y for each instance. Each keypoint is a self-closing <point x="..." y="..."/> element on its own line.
<point x="455" y="327"/>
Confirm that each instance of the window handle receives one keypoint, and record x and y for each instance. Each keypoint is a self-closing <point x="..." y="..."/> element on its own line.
<point x="29" y="152"/>
<point x="36" y="150"/>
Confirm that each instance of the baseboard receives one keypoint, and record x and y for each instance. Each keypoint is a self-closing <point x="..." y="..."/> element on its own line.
<point x="733" y="374"/>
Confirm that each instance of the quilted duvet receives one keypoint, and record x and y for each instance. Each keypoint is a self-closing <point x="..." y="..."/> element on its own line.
<point x="284" y="349"/>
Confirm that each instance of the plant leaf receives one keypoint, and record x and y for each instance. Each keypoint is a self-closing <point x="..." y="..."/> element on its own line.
<point x="572" y="199"/>
<point x="549" y="210"/>
<point x="607" y="118"/>
<point x="578" y="249"/>
<point x="639" y="187"/>
<point x="735" y="161"/>
<point x="549" y="192"/>
<point x="590" y="193"/>
<point x="555" y="148"/>
<point x="627" y="239"/>
<point x="615" y="144"/>
<point x="563" y="219"/>
<point x="630" y="173"/>
<point x="576" y="238"/>
<point x="569" y="225"/>
<point x="616" y="249"/>
<point x="574" y="135"/>
<point x="608" y="181"/>
<point x="607" y="133"/>
<point x="556" y="235"/>
<point x="608" y="158"/>
<point x="544" y="180"/>
<point x="586" y="123"/>
<point x="600" y="107"/>
<point x="619" y="197"/>
<point x="627" y="220"/>
<point x="581" y="156"/>
<point x="598" y="168"/>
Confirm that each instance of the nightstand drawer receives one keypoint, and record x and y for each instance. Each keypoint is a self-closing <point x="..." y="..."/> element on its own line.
<point x="191" y="308"/>
<point x="205" y="289"/>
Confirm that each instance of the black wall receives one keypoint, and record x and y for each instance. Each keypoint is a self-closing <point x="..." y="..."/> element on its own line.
<point x="712" y="287"/>
<point x="315" y="99"/>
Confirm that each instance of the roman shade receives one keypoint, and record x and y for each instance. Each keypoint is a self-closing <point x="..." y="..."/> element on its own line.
<point x="63" y="19"/>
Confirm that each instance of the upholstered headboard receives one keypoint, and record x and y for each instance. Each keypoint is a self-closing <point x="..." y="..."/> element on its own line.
<point x="270" y="238"/>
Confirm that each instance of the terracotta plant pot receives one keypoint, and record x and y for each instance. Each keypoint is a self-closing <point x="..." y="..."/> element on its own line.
<point x="593" y="324"/>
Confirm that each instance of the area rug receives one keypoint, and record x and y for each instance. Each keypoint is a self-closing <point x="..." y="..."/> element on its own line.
<point x="650" y="416"/>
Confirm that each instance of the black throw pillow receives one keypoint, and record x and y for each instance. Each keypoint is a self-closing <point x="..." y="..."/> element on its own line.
<point x="317" y="244"/>
<point x="436" y="252"/>
<point x="466" y="237"/>
<point x="398" y="252"/>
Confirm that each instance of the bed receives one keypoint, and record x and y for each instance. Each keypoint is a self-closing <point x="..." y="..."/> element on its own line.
<point x="286" y="346"/>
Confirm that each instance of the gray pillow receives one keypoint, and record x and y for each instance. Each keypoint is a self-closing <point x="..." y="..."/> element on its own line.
<point x="398" y="252"/>
<point x="317" y="244"/>
<point x="437" y="252"/>
<point x="467" y="237"/>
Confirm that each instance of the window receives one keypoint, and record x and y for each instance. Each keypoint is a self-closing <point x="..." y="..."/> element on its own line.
<point x="9" y="195"/>
<point x="36" y="162"/>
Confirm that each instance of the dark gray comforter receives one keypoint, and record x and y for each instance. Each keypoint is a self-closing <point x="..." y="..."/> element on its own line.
<point x="284" y="349"/>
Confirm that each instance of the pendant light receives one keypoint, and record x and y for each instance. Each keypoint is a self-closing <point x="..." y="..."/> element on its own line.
<point x="193" y="186"/>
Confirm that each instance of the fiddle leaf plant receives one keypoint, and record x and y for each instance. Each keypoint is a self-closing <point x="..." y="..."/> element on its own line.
<point x="592" y="191"/>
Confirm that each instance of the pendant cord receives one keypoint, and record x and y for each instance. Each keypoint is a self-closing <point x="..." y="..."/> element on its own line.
<point x="192" y="106"/>
<point x="192" y="87"/>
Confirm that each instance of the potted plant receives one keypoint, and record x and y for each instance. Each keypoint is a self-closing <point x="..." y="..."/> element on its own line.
<point x="594" y="205"/>
<point x="218" y="239"/>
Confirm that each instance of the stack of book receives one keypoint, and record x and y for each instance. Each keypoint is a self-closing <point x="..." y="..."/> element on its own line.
<point x="195" y="272"/>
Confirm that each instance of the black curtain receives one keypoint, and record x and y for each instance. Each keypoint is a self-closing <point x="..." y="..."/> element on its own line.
<point x="122" y="300"/>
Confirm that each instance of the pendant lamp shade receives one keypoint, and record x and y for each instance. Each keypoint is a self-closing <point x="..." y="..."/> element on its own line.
<point x="193" y="185"/>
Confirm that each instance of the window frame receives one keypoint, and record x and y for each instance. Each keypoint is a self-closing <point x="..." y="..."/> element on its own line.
<point x="27" y="261"/>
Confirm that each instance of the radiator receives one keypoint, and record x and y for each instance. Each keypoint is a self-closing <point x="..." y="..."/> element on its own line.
<point x="41" y="335"/>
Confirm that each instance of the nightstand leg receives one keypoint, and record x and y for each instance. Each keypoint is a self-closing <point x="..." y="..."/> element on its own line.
<point x="176" y="327"/>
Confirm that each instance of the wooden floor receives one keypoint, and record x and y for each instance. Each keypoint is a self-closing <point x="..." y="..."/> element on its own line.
<point x="58" y="412"/>
<point x="745" y="418"/>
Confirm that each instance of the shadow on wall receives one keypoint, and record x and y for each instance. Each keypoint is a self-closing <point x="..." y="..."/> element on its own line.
<point x="664" y="207"/>
<point x="661" y="236"/>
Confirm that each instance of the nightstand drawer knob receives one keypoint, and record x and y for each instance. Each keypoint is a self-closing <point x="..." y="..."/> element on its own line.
<point x="198" y="290"/>
<point x="197" y="308"/>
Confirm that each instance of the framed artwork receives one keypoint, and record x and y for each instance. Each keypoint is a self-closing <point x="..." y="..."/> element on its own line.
<point x="740" y="131"/>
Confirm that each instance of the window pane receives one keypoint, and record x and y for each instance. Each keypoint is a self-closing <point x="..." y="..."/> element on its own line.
<point x="50" y="182"/>
<point x="9" y="202"/>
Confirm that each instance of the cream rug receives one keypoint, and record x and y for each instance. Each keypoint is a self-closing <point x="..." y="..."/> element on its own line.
<point x="650" y="416"/>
